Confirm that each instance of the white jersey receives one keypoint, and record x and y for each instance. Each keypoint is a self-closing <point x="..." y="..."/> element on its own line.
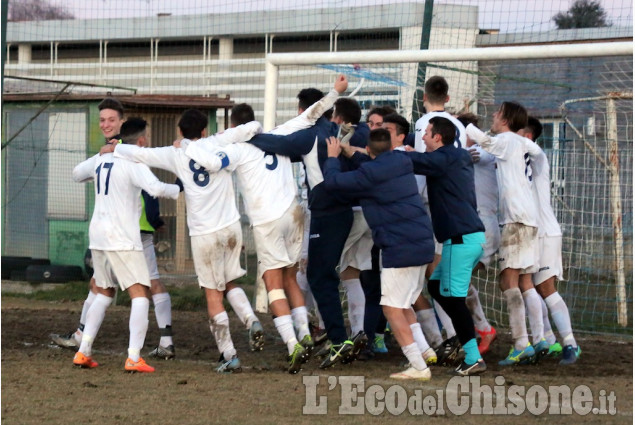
<point x="118" y="184"/>
<point x="210" y="197"/>
<point x="485" y="183"/>
<point x="514" y="174"/>
<point x="547" y="222"/>
<point x="460" y="139"/>
<point x="264" y="179"/>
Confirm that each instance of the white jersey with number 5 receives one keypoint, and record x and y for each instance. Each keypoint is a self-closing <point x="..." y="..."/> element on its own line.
<point x="118" y="184"/>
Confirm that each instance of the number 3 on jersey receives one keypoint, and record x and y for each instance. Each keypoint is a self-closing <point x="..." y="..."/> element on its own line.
<point x="201" y="176"/>
<point x="107" y="166"/>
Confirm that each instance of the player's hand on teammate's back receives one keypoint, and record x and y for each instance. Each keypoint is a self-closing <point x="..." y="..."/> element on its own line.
<point x="333" y="147"/>
<point x="107" y="148"/>
<point x="476" y="156"/>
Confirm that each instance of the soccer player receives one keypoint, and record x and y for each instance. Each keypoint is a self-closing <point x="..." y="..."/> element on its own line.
<point x="388" y="194"/>
<point x="550" y="265"/>
<point x="277" y="226"/>
<point x="375" y="117"/>
<point x="331" y="220"/>
<point x="111" y="124"/>
<point x="518" y="216"/>
<point x="212" y="217"/>
<point x="450" y="178"/>
<point x="117" y="250"/>
<point x="487" y="206"/>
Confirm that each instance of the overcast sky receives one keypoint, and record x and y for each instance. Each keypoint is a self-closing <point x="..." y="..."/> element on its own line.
<point x="506" y="15"/>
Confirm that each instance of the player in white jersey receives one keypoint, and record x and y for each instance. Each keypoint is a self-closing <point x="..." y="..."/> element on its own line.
<point x="212" y="218"/>
<point x="111" y="123"/>
<point x="277" y="226"/>
<point x="518" y="253"/>
<point x="117" y="250"/>
<point x="486" y="187"/>
<point x="550" y="267"/>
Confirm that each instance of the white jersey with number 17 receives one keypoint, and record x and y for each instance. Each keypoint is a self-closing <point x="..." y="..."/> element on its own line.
<point x="118" y="184"/>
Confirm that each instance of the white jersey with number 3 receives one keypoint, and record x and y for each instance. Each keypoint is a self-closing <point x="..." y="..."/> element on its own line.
<point x="118" y="184"/>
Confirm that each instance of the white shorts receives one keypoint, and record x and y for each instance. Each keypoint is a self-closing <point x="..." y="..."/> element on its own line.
<point x="492" y="238"/>
<point x="519" y="248"/>
<point x="119" y="268"/>
<point x="358" y="245"/>
<point x="550" y="260"/>
<point x="401" y="286"/>
<point x="147" y="239"/>
<point x="217" y="257"/>
<point x="279" y="242"/>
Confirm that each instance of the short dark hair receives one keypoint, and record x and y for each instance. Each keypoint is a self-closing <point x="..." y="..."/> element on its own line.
<point x="436" y="88"/>
<point x="445" y="128"/>
<point x="533" y="124"/>
<point x="402" y="124"/>
<point x="132" y="129"/>
<point x="380" y="110"/>
<point x="467" y="119"/>
<point x="379" y="141"/>
<point x="348" y="110"/>
<point x="514" y="114"/>
<point x="192" y="123"/>
<point x="308" y="97"/>
<point x="111" y="103"/>
<point x="242" y="114"/>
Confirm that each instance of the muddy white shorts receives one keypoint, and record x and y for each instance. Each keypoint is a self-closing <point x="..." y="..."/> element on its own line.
<point x="119" y="268"/>
<point x="147" y="239"/>
<point x="550" y="259"/>
<point x="217" y="257"/>
<point x="519" y="248"/>
<point x="279" y="242"/>
<point x="358" y="245"/>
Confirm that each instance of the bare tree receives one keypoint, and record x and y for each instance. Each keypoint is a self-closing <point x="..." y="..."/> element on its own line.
<point x="582" y="14"/>
<point x="35" y="10"/>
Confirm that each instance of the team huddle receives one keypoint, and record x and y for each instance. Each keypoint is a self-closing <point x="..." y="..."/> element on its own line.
<point x="391" y="216"/>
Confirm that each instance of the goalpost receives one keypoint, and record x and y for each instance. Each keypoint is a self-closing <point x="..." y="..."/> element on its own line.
<point x="579" y="181"/>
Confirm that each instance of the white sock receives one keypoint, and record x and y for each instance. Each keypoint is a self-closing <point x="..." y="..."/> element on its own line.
<point x="163" y="312"/>
<point x="428" y="321"/>
<point x="549" y="336"/>
<point x="516" y="311"/>
<point x="219" y="325"/>
<point x="356" y="304"/>
<point x="420" y="339"/>
<point x="445" y="321"/>
<point x="87" y="303"/>
<point x="414" y="356"/>
<point x="94" y="318"/>
<point x="139" y="309"/>
<point x="476" y="309"/>
<point x="284" y="325"/>
<point x="241" y="306"/>
<point x="300" y="317"/>
<point x="561" y="318"/>
<point x="534" y="312"/>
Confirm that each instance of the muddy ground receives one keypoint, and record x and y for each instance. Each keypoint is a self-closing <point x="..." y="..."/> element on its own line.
<point x="41" y="386"/>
